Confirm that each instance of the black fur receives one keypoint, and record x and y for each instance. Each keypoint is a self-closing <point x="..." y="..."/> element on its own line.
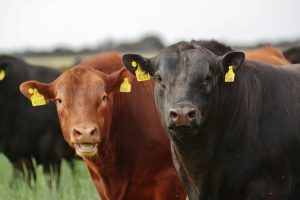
<point x="245" y="142"/>
<point x="293" y="54"/>
<point x="28" y="132"/>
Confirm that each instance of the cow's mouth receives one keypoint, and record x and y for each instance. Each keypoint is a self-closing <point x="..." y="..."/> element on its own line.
<point x="183" y="132"/>
<point x="86" y="149"/>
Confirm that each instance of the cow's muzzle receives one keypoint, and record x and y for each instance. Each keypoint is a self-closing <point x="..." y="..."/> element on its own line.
<point x="183" y="115"/>
<point x="85" y="139"/>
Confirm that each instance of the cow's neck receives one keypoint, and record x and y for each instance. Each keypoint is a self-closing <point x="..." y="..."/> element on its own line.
<point x="110" y="168"/>
<point x="106" y="178"/>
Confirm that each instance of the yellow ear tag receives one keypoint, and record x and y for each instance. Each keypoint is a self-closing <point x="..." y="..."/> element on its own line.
<point x="37" y="99"/>
<point x="141" y="75"/>
<point x="229" y="76"/>
<point x="125" y="86"/>
<point x="2" y="74"/>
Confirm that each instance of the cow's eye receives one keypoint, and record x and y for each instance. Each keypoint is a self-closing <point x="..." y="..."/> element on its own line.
<point x="158" y="78"/>
<point x="105" y="98"/>
<point x="57" y="100"/>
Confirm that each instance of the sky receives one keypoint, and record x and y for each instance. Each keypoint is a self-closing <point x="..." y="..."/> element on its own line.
<point x="44" y="24"/>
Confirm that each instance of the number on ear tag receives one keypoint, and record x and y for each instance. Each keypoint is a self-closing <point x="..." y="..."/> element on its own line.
<point x="37" y="99"/>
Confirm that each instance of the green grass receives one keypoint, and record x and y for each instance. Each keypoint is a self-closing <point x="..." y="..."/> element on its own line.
<point x="74" y="183"/>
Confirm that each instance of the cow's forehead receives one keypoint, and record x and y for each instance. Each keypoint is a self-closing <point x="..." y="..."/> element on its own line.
<point x="192" y="62"/>
<point x="78" y="80"/>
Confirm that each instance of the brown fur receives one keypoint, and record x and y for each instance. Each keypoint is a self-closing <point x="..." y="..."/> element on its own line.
<point x="267" y="54"/>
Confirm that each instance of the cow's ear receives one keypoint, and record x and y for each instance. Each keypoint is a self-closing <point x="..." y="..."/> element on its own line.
<point x="3" y="70"/>
<point x="117" y="78"/>
<point x="132" y="61"/>
<point x="42" y="88"/>
<point x="234" y="59"/>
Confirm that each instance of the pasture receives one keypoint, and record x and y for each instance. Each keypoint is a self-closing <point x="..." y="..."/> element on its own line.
<point x="74" y="183"/>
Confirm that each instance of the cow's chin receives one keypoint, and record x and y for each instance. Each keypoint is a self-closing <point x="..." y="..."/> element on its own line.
<point x="86" y="149"/>
<point x="183" y="133"/>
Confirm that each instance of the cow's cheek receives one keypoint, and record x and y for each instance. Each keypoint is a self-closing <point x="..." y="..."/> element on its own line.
<point x="65" y="131"/>
<point x="161" y="104"/>
<point x="64" y="125"/>
<point x="101" y="120"/>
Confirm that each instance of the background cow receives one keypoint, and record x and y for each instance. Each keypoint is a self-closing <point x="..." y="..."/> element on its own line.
<point x="27" y="132"/>
<point x="128" y="157"/>
<point x="232" y="137"/>
<point x="293" y="54"/>
<point x="267" y="54"/>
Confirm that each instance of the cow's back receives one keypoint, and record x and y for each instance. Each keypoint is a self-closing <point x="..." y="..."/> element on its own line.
<point x="267" y="54"/>
<point x="108" y="62"/>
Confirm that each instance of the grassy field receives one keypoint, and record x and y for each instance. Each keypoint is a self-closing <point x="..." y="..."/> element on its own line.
<point x="74" y="184"/>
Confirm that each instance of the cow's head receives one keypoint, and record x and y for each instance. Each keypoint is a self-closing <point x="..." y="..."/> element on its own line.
<point x="185" y="75"/>
<point x="83" y="99"/>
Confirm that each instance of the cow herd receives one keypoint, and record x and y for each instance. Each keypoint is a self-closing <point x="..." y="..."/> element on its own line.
<point x="199" y="119"/>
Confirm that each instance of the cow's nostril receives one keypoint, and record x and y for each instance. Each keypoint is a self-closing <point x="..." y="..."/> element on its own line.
<point x="93" y="132"/>
<point x="192" y="114"/>
<point x="76" y="133"/>
<point x="173" y="115"/>
<point x="84" y="132"/>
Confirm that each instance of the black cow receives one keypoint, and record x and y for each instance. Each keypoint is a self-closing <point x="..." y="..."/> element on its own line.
<point x="293" y="54"/>
<point x="230" y="140"/>
<point x="27" y="132"/>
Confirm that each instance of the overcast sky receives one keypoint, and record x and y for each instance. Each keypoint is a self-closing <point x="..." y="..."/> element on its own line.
<point x="75" y="23"/>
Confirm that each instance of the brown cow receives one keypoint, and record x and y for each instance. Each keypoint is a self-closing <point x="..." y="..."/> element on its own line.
<point x="267" y="54"/>
<point x="118" y="135"/>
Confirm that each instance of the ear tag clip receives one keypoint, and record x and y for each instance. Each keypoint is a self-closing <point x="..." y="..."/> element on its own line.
<point x="37" y="99"/>
<point x="134" y="64"/>
<point x="2" y="74"/>
<point x="125" y="86"/>
<point x="229" y="76"/>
